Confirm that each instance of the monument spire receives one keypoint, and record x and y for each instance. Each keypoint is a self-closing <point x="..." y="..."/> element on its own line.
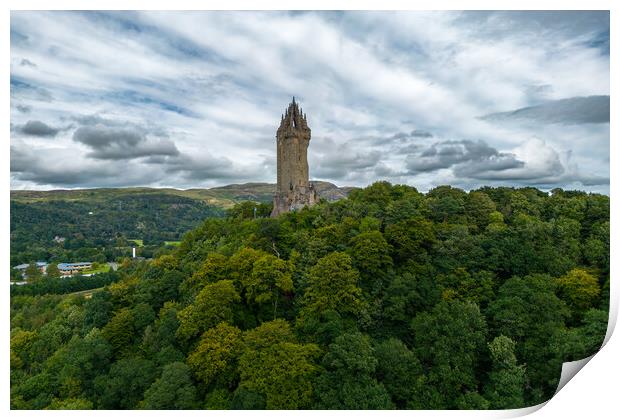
<point x="293" y="190"/>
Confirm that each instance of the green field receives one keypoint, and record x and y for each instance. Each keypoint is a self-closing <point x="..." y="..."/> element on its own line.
<point x="138" y="242"/>
<point x="103" y="268"/>
<point x="172" y="243"/>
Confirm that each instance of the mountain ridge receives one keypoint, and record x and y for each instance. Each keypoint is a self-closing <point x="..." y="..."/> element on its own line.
<point x="224" y="196"/>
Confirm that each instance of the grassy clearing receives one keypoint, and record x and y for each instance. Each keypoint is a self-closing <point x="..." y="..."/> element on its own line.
<point x="138" y="242"/>
<point x="173" y="243"/>
<point x="103" y="268"/>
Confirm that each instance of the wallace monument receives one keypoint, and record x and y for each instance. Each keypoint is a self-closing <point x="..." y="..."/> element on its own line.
<point x="294" y="190"/>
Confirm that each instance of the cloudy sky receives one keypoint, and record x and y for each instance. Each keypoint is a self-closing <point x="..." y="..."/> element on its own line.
<point x="193" y="99"/>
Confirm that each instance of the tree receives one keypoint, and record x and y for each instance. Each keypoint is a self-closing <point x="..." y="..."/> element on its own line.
<point x="70" y="404"/>
<point x="214" y="269"/>
<point x="161" y="288"/>
<point x="32" y="272"/>
<point x="282" y="372"/>
<point x="477" y="288"/>
<point x="275" y="366"/>
<point x="120" y="331"/>
<point x="123" y="387"/>
<point x="348" y="382"/>
<point x="268" y="282"/>
<point x="370" y="255"/>
<point x="448" y="340"/>
<point x="333" y="285"/>
<point x="52" y="270"/>
<point x="579" y="289"/>
<point x="174" y="390"/>
<point x="214" y="357"/>
<point x="410" y="239"/>
<point x="214" y="304"/>
<point x="506" y="386"/>
<point x="73" y="368"/>
<point x="527" y="311"/>
<point x="413" y="290"/>
<point x="478" y="209"/>
<point x="399" y="370"/>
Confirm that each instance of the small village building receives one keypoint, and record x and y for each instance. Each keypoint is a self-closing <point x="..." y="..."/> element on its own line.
<point x="41" y="265"/>
<point x="67" y="269"/>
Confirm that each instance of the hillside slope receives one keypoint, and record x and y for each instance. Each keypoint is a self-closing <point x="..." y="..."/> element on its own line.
<point x="224" y="197"/>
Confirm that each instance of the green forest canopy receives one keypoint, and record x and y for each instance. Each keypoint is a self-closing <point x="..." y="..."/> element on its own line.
<point x="388" y="299"/>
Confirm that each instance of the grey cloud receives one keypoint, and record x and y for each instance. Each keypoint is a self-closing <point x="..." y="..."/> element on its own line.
<point x="205" y="167"/>
<point x="577" y="110"/>
<point x="421" y="133"/>
<point x="25" y="109"/>
<point x="44" y="168"/>
<point x="27" y="63"/>
<point x="22" y="90"/>
<point x="472" y="156"/>
<point x="344" y="162"/>
<point x="120" y="143"/>
<point x="99" y="121"/>
<point x="38" y="129"/>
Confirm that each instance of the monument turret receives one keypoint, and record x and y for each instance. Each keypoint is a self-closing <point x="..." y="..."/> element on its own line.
<point x="293" y="190"/>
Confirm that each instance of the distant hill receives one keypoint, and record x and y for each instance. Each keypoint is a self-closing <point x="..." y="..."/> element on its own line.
<point x="90" y="224"/>
<point x="224" y="197"/>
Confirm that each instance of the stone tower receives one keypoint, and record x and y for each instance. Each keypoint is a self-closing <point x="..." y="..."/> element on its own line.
<point x="294" y="190"/>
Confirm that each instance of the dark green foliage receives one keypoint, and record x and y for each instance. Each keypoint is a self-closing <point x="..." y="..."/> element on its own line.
<point x="174" y="390"/>
<point x="449" y="341"/>
<point x="153" y="217"/>
<point x="506" y="385"/>
<point x="124" y="385"/>
<point x="388" y="299"/>
<point x="399" y="370"/>
<point x="348" y="381"/>
<point x="55" y="285"/>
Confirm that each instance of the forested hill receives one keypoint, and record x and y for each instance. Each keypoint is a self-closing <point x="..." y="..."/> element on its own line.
<point x="387" y="299"/>
<point x="224" y="197"/>
<point x="96" y="222"/>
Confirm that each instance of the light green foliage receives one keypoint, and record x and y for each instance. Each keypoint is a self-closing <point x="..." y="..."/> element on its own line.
<point x="275" y="365"/>
<point x="579" y="289"/>
<point x="333" y="285"/>
<point x="269" y="280"/>
<point x="389" y="299"/>
<point x="120" y="330"/>
<point x="21" y="345"/>
<point x="477" y="288"/>
<point x="70" y="404"/>
<point x="215" y="354"/>
<point x="283" y="372"/>
<point x="479" y="208"/>
<point x="268" y="334"/>
<point x="214" y="304"/>
<point x="214" y="269"/>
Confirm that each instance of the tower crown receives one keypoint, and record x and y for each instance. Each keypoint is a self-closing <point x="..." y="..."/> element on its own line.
<point x="293" y="119"/>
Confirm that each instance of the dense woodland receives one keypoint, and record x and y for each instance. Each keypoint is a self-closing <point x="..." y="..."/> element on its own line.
<point x="98" y="229"/>
<point x="388" y="299"/>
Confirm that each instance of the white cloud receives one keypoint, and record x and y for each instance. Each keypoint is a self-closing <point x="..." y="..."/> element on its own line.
<point x="217" y="82"/>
